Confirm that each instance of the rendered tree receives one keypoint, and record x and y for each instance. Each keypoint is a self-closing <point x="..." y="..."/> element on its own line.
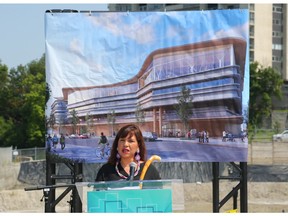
<point x="62" y="122"/>
<point x="264" y="83"/>
<point x="74" y="120"/>
<point x="89" y="122"/>
<point x="184" y="106"/>
<point x="51" y="121"/>
<point x="140" y="115"/>
<point x="111" y="119"/>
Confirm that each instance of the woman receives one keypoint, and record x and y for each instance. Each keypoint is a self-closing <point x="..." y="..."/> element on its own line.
<point x="127" y="147"/>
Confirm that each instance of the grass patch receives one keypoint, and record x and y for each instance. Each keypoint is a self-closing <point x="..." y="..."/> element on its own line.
<point x="261" y="135"/>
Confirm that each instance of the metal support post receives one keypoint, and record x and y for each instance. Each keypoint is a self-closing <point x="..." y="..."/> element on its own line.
<point x="242" y="186"/>
<point x="215" y="170"/>
<point x="76" y="202"/>
<point x="49" y="193"/>
<point x="51" y="177"/>
<point x="243" y="190"/>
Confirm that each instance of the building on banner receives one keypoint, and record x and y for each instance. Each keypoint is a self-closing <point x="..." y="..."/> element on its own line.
<point x="212" y="70"/>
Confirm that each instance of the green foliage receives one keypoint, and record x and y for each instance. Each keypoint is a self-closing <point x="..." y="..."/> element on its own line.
<point x="74" y="120"/>
<point x="23" y="105"/>
<point x="111" y="119"/>
<point x="276" y="126"/>
<point x="51" y="121"/>
<point x="89" y="122"/>
<point x="184" y="106"/>
<point x="6" y="126"/>
<point x="264" y="83"/>
<point x="140" y="114"/>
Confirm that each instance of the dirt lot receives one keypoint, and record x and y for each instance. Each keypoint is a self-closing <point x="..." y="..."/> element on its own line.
<point x="267" y="192"/>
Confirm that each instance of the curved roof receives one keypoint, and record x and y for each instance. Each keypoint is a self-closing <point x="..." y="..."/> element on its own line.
<point x="239" y="45"/>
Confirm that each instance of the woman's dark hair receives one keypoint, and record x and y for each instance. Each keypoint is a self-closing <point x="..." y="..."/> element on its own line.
<point x="128" y="130"/>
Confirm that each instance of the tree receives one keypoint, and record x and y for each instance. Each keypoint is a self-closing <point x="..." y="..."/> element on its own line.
<point x="22" y="104"/>
<point x="276" y="126"/>
<point x="4" y="88"/>
<point x="111" y="119"/>
<point x="34" y="108"/>
<point x="47" y="95"/>
<point x="264" y="83"/>
<point x="184" y="106"/>
<point x="140" y="114"/>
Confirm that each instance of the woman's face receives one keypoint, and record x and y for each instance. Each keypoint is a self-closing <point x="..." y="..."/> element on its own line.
<point x="128" y="146"/>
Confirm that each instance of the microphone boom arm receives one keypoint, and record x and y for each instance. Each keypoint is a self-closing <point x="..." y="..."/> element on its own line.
<point x="147" y="164"/>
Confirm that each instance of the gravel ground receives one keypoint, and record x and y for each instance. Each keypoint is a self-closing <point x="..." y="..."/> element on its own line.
<point x="267" y="192"/>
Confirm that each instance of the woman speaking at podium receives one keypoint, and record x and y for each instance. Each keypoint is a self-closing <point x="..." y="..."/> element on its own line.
<point x="128" y="158"/>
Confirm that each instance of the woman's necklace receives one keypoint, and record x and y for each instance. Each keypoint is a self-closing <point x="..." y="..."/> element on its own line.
<point x="125" y="177"/>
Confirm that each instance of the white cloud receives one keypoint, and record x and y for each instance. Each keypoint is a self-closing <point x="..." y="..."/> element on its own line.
<point x="237" y="31"/>
<point x="172" y="31"/>
<point x="75" y="46"/>
<point x="140" y="32"/>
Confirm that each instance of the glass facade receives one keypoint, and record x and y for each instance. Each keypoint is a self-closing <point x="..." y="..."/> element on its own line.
<point x="194" y="86"/>
<point x="102" y="92"/>
<point x="170" y="66"/>
<point x="212" y="70"/>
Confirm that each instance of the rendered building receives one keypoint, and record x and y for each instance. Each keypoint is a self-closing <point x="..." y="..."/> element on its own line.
<point x="212" y="70"/>
<point x="268" y="33"/>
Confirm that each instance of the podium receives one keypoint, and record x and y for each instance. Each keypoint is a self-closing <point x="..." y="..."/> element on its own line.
<point x="147" y="196"/>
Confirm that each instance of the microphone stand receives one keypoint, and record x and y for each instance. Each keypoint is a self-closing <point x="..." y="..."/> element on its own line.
<point x="132" y="172"/>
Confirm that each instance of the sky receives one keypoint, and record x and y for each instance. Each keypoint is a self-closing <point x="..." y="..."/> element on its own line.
<point x="102" y="48"/>
<point x="22" y="37"/>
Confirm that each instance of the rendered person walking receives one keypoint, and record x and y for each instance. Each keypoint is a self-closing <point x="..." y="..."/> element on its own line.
<point x="102" y="143"/>
<point x="62" y="141"/>
<point x="55" y="140"/>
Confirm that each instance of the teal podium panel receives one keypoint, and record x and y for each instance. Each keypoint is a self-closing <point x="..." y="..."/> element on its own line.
<point x="144" y="196"/>
<point x="130" y="201"/>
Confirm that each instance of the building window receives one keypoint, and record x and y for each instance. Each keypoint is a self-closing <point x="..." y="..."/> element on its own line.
<point x="123" y="7"/>
<point x="152" y="7"/>
<point x="251" y="56"/>
<point x="276" y="58"/>
<point x="251" y="44"/>
<point x="277" y="9"/>
<point x="195" y="86"/>
<point x="277" y="47"/>
<point x="143" y="7"/>
<point x="233" y="6"/>
<point x="251" y="18"/>
<point x="251" y="31"/>
<point x="251" y="7"/>
<point x="212" y="6"/>
<point x="277" y="22"/>
<point x="277" y="34"/>
<point x="191" y="62"/>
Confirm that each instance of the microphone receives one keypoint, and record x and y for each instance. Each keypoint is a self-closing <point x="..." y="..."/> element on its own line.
<point x="133" y="166"/>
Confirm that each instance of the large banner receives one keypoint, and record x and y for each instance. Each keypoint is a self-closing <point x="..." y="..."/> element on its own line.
<point x="182" y="77"/>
